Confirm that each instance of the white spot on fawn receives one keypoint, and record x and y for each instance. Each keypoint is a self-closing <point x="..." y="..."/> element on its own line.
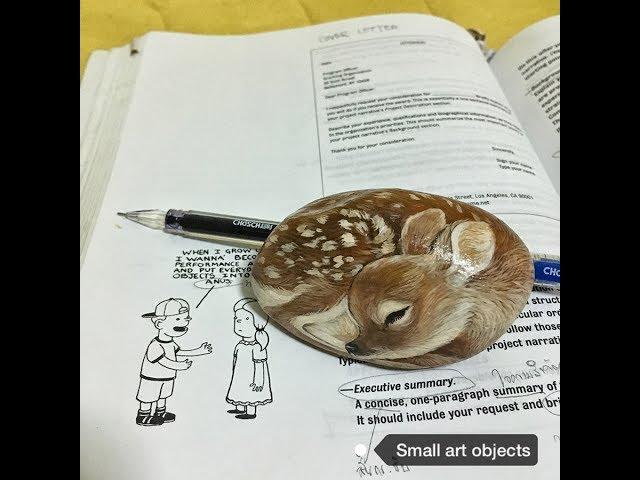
<point x="348" y="259"/>
<point x="362" y="228"/>
<point x="359" y="214"/>
<point x="346" y="224"/>
<point x="280" y="254"/>
<point x="314" y="272"/>
<point x="289" y="262"/>
<point x="261" y="260"/>
<point x="459" y="208"/>
<point x="316" y="264"/>
<point x="301" y="228"/>
<point x="356" y="268"/>
<point x="314" y="243"/>
<point x="355" y="214"/>
<point x="387" y="247"/>
<point x="283" y="227"/>
<point x="272" y="272"/>
<point x="348" y="240"/>
<point x="378" y="222"/>
<point x="338" y="261"/>
<point x="337" y="276"/>
<point x="307" y="233"/>
<point x="385" y="234"/>
<point x="273" y="238"/>
<point x="382" y="195"/>
<point x="414" y="197"/>
<point x="288" y="247"/>
<point x="329" y="245"/>
<point x="322" y="219"/>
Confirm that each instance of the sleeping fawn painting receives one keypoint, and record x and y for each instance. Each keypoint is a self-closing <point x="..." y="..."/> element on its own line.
<point x="393" y="277"/>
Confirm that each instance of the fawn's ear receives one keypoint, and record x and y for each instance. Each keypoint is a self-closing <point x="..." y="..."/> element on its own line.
<point x="419" y="231"/>
<point x="472" y="247"/>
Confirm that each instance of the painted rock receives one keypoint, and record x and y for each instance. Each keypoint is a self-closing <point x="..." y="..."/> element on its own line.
<point x="393" y="277"/>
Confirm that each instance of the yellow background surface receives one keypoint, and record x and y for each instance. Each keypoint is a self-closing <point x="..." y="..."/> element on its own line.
<point x="106" y="24"/>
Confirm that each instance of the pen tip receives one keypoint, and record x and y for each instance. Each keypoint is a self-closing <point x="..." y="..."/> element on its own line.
<point x="149" y="218"/>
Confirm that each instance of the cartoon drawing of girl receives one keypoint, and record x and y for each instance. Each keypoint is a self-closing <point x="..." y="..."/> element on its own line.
<point x="250" y="383"/>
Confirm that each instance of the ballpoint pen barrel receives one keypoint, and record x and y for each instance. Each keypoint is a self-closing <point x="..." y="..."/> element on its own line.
<point x="225" y="227"/>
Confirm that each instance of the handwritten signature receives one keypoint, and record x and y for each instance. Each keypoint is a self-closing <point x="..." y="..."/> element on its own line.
<point x="534" y="370"/>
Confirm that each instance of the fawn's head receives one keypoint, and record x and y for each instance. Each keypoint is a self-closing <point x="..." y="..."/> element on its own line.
<point x="410" y="304"/>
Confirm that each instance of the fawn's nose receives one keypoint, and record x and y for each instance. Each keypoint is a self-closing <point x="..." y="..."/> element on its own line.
<point x="352" y="347"/>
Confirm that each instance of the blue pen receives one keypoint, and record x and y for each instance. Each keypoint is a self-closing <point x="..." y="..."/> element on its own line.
<point x="546" y="269"/>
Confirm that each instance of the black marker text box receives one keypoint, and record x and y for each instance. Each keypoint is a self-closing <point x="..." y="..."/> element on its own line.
<point x="462" y="449"/>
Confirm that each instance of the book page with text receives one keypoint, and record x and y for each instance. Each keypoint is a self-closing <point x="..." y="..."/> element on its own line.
<point x="528" y="69"/>
<point x="258" y="126"/>
<point x="424" y="111"/>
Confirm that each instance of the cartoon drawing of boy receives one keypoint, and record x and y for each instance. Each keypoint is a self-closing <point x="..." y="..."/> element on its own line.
<point x="160" y="363"/>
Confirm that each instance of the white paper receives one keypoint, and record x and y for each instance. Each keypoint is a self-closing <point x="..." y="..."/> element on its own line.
<point x="528" y="68"/>
<point x="105" y="95"/>
<point x="228" y="124"/>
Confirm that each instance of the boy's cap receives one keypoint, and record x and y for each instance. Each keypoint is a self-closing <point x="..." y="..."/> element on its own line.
<point x="171" y="306"/>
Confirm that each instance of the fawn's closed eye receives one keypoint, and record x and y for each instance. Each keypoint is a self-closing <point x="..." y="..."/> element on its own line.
<point x="395" y="316"/>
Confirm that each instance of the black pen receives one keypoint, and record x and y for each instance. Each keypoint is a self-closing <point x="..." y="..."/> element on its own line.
<point x="251" y="232"/>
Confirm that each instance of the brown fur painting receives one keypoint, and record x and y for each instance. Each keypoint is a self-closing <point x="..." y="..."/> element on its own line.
<point x="393" y="277"/>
